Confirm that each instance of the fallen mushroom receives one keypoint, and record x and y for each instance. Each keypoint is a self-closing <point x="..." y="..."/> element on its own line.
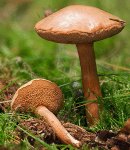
<point x="82" y="25"/>
<point x="46" y="97"/>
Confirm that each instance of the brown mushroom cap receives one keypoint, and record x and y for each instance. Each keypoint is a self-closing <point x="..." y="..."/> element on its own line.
<point x="38" y="92"/>
<point x="79" y="24"/>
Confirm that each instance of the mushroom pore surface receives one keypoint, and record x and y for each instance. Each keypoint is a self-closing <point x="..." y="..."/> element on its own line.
<point x="38" y="92"/>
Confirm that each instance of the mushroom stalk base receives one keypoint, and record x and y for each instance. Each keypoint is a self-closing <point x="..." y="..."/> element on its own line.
<point x="60" y="131"/>
<point x="90" y="80"/>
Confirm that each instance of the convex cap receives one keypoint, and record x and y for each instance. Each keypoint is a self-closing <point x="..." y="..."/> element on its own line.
<point x="38" y="92"/>
<point x="79" y="24"/>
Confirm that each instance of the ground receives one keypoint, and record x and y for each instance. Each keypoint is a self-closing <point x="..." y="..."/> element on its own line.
<point x="102" y="139"/>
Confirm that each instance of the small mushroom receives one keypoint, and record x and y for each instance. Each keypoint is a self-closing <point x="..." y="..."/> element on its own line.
<point x="82" y="25"/>
<point x="47" y="12"/>
<point x="126" y="127"/>
<point x="46" y="97"/>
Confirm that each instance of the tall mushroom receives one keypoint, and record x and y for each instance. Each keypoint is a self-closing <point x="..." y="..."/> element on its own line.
<point x="82" y="25"/>
<point x="46" y="97"/>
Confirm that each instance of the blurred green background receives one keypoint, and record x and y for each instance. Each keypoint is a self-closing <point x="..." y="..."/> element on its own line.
<point x="26" y="55"/>
<point x="20" y="43"/>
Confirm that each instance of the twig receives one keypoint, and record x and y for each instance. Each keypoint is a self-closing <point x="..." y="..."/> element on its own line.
<point x="123" y="68"/>
<point x="9" y="101"/>
<point x="117" y="20"/>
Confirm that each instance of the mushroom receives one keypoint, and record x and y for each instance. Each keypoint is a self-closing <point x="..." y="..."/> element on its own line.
<point x="47" y="12"/>
<point x="82" y="25"/>
<point x="46" y="97"/>
<point x="126" y="127"/>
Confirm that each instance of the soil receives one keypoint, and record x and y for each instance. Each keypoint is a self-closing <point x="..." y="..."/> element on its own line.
<point x="6" y="95"/>
<point x="102" y="139"/>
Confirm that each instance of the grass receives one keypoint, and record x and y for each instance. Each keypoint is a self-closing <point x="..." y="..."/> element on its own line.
<point x="25" y="56"/>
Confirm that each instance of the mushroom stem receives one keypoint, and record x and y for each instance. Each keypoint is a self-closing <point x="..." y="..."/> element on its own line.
<point x="90" y="80"/>
<point x="60" y="131"/>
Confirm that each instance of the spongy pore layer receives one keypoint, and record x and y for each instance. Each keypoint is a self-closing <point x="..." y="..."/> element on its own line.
<point x="37" y="92"/>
